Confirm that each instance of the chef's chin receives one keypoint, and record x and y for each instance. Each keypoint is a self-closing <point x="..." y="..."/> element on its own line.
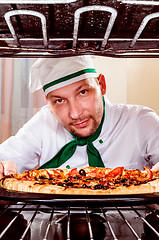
<point x="81" y="134"/>
<point x="85" y="131"/>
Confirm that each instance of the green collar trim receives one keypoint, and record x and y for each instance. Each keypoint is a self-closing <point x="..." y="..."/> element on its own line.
<point x="70" y="76"/>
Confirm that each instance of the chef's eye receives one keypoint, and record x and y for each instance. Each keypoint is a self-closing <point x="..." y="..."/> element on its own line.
<point x="59" y="101"/>
<point x="83" y="92"/>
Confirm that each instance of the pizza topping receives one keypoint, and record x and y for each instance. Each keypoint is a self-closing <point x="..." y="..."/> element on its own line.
<point x="73" y="172"/>
<point x="94" y="173"/>
<point x="115" y="172"/>
<point x="82" y="172"/>
<point x="85" y="186"/>
<point x="148" y="176"/>
<point x="155" y="174"/>
<point x="21" y="175"/>
<point x="100" y="186"/>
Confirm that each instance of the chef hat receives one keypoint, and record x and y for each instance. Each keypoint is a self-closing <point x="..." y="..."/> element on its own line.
<point x="54" y="73"/>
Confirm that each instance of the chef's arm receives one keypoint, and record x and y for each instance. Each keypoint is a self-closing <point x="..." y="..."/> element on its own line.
<point x="147" y="123"/>
<point x="25" y="147"/>
<point x="7" y="167"/>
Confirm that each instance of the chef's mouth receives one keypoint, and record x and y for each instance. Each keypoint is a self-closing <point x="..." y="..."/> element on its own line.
<point x="82" y="123"/>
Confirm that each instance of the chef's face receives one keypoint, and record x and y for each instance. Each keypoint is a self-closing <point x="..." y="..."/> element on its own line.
<point x="79" y="106"/>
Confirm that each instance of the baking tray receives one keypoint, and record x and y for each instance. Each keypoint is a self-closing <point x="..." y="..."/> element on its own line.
<point x="79" y="200"/>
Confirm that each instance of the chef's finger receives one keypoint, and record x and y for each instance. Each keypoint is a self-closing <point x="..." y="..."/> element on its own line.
<point x="9" y="167"/>
<point x="155" y="167"/>
<point x="1" y="170"/>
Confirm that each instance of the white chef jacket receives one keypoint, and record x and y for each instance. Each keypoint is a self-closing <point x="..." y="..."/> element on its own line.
<point x="130" y="138"/>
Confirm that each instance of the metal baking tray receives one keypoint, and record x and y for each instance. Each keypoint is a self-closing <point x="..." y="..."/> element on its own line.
<point x="79" y="200"/>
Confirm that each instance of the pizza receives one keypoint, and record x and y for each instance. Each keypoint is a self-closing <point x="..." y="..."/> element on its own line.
<point x="84" y="181"/>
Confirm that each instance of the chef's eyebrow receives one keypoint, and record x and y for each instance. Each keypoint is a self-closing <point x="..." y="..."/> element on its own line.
<point x="76" y="90"/>
<point x="55" y="96"/>
<point x="82" y="86"/>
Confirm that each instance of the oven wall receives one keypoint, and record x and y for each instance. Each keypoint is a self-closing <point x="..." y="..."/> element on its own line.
<point x="143" y="82"/>
<point x="132" y="80"/>
<point x="115" y="72"/>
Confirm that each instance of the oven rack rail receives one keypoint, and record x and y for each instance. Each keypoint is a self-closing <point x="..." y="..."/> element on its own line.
<point x="140" y="213"/>
<point x="112" y="43"/>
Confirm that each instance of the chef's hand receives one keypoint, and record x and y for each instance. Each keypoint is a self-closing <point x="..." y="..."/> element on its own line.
<point x="7" y="167"/>
<point x="155" y="167"/>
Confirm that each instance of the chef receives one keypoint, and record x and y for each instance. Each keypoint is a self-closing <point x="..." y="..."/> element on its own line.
<point x="79" y="127"/>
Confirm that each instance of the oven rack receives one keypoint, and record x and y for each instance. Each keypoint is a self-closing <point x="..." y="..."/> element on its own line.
<point x="119" y="28"/>
<point x="119" y="222"/>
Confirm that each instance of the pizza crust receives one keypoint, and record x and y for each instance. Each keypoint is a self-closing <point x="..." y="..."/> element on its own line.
<point x="34" y="187"/>
<point x="155" y="184"/>
<point x="30" y="186"/>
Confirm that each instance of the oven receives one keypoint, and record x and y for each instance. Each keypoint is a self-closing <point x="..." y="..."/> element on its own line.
<point x="44" y="216"/>
<point x="63" y="28"/>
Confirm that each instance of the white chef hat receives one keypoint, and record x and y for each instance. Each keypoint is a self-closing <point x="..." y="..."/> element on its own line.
<point x="54" y="73"/>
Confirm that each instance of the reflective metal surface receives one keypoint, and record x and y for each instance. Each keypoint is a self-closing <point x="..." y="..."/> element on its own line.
<point x="53" y="222"/>
<point x="118" y="28"/>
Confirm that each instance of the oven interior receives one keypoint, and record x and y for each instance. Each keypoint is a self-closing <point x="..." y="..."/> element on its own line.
<point x="54" y="28"/>
<point x="41" y="221"/>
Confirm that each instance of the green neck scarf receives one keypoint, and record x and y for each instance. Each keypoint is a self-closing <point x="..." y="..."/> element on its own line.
<point x="69" y="149"/>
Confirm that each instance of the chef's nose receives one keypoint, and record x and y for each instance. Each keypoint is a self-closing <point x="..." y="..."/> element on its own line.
<point x="75" y="110"/>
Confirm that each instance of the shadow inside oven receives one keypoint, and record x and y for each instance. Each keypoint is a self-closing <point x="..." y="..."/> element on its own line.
<point x="15" y="229"/>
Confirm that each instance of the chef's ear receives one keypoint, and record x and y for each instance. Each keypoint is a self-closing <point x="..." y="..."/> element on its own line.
<point x="102" y="83"/>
